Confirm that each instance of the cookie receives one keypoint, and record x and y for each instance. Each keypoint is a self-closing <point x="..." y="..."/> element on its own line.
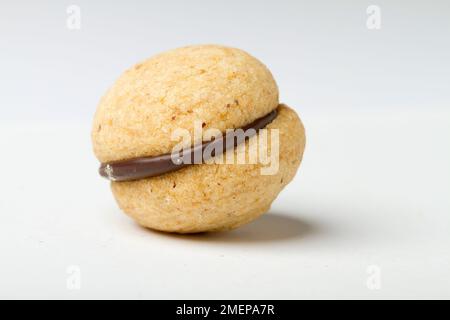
<point x="216" y="88"/>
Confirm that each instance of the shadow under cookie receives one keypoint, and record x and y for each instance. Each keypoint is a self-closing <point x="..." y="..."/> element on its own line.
<point x="271" y="227"/>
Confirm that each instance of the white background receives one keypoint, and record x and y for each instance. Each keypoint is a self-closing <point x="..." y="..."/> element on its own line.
<point x="370" y="204"/>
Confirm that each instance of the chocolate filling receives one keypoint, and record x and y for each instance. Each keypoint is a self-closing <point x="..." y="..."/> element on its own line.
<point x="145" y="167"/>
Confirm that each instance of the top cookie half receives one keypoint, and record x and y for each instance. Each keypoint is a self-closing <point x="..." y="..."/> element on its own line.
<point x="222" y="87"/>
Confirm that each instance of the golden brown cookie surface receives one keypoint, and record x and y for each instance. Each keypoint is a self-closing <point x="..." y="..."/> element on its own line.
<point x="221" y="87"/>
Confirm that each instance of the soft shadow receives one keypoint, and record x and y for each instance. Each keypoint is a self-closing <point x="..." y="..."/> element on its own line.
<point x="271" y="227"/>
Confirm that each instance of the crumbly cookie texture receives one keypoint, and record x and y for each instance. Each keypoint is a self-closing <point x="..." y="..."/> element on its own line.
<point x="214" y="197"/>
<point x="220" y="86"/>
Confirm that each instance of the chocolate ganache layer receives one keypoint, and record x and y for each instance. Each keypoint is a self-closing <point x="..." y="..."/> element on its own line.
<point x="145" y="167"/>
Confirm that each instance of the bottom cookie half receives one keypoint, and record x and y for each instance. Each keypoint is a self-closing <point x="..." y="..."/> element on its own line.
<point x="217" y="197"/>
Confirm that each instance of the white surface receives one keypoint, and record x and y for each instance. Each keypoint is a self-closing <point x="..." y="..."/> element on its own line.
<point x="373" y="190"/>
